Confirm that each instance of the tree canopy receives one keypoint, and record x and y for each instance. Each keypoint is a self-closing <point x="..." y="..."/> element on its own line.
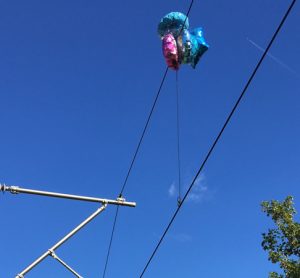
<point x="283" y="242"/>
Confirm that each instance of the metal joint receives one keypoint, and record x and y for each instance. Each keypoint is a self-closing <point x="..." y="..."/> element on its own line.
<point x="14" y="189"/>
<point x="52" y="253"/>
<point x="104" y="203"/>
<point x="2" y="187"/>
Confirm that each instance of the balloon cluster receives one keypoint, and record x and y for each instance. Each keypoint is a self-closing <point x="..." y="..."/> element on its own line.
<point x="179" y="45"/>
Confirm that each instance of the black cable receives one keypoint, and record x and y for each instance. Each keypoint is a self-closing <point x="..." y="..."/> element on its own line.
<point x="144" y="131"/>
<point x="130" y="168"/>
<point x="110" y="241"/>
<point x="178" y="141"/>
<point x="219" y="135"/>
<point x="138" y="147"/>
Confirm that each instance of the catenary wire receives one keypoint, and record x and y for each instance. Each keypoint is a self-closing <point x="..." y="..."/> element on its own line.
<point x="130" y="168"/>
<point x="110" y="241"/>
<point x="144" y="131"/>
<point x="137" y="150"/>
<point x="178" y="141"/>
<point x="219" y="135"/>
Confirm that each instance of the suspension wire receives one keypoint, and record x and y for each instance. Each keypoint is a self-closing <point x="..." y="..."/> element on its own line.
<point x="110" y="241"/>
<point x="130" y="168"/>
<point x="144" y="131"/>
<point x="178" y="141"/>
<point x="219" y="135"/>
<point x="137" y="150"/>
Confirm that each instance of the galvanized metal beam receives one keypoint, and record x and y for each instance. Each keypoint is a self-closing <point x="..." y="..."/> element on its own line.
<point x="16" y="190"/>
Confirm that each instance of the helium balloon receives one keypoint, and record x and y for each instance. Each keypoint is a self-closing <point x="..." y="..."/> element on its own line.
<point x="189" y="47"/>
<point x="198" y="33"/>
<point x="201" y="48"/>
<point x="173" y="23"/>
<point x="179" y="45"/>
<point x="170" y="51"/>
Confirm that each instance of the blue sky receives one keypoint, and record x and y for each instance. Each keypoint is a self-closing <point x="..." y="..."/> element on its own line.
<point x="77" y="82"/>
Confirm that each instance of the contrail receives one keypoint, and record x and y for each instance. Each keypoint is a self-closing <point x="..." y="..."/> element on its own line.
<point x="274" y="58"/>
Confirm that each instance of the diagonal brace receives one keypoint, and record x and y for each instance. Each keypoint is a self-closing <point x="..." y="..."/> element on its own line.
<point x="62" y="241"/>
<point x="54" y="256"/>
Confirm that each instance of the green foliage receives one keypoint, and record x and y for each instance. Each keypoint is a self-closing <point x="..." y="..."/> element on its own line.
<point x="283" y="242"/>
<point x="275" y="275"/>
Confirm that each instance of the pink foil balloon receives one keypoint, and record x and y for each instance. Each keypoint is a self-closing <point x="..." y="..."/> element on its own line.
<point x="170" y="51"/>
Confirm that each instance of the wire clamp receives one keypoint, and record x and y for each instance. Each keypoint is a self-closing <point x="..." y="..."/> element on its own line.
<point x="121" y="199"/>
<point x="179" y="201"/>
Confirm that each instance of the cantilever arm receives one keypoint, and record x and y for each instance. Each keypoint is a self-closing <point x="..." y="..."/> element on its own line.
<point x="50" y="252"/>
<point x="16" y="190"/>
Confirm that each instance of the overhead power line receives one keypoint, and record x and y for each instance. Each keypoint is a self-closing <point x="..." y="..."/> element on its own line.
<point x="136" y="152"/>
<point x="144" y="130"/>
<point x="219" y="136"/>
<point x="178" y="141"/>
<point x="130" y="168"/>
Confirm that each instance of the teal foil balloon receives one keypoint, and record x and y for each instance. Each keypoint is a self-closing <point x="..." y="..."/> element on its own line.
<point x="173" y="23"/>
<point x="191" y="46"/>
<point x="202" y="46"/>
<point x="188" y="47"/>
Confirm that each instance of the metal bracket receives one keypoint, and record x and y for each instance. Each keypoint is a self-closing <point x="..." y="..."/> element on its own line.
<point x="121" y="199"/>
<point x="14" y="189"/>
<point x="179" y="201"/>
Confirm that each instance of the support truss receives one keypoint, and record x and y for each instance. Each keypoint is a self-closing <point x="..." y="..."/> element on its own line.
<point x="51" y="251"/>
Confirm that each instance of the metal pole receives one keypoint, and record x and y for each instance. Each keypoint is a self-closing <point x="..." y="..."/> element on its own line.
<point x="54" y="256"/>
<point x="63" y="240"/>
<point x="16" y="190"/>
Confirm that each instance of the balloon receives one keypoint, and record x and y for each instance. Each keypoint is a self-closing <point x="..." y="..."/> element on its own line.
<point x="191" y="46"/>
<point x="188" y="45"/>
<point x="172" y="23"/>
<point x="202" y="46"/>
<point x="179" y="45"/>
<point x="198" y="33"/>
<point x="170" y="51"/>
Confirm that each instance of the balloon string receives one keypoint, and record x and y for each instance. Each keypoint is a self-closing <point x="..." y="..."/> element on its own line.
<point x="178" y="141"/>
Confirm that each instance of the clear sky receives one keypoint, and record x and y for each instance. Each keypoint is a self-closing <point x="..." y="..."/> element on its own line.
<point x="77" y="80"/>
